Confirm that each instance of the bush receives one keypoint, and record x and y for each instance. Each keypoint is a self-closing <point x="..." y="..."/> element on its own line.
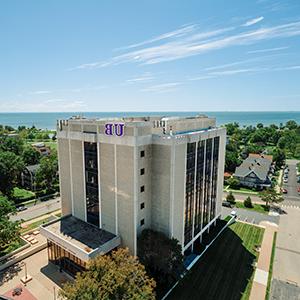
<point x="248" y="203"/>
<point x="233" y="183"/>
<point x="230" y="198"/>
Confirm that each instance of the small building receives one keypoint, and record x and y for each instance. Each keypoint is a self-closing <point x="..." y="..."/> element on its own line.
<point x="255" y="171"/>
<point x="41" y="148"/>
<point x="28" y="177"/>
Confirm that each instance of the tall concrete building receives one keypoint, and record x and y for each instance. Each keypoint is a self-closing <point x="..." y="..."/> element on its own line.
<point x="120" y="176"/>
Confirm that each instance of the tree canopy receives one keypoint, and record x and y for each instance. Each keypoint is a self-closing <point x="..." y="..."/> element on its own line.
<point x="270" y="196"/>
<point x="111" y="277"/>
<point x="47" y="173"/>
<point x="11" y="165"/>
<point x="280" y="141"/>
<point x="30" y="155"/>
<point x="161" y="257"/>
<point x="9" y="230"/>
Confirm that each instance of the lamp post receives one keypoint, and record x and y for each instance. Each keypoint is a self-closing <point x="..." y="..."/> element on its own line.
<point x="27" y="277"/>
<point x="25" y="266"/>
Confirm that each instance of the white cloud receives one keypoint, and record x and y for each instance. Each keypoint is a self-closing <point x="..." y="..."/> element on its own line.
<point x="43" y="106"/>
<point x="204" y="77"/>
<point x="176" y="33"/>
<point x="267" y="50"/>
<point x="40" y="92"/>
<point x="162" y="88"/>
<point x="253" y="21"/>
<point x="236" y="71"/>
<point x="196" y="43"/>
<point x="142" y="78"/>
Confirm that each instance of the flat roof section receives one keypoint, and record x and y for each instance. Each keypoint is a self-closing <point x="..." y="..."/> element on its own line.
<point x="80" y="238"/>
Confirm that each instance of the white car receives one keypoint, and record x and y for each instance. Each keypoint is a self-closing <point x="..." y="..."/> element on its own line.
<point x="233" y="213"/>
<point x="285" y="180"/>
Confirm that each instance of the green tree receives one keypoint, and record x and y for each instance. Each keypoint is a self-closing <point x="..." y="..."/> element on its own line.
<point x="47" y="173"/>
<point x="161" y="256"/>
<point x="11" y="167"/>
<point x="231" y="160"/>
<point x="291" y="124"/>
<point x="9" y="230"/>
<point x="233" y="182"/>
<point x="231" y="128"/>
<point x="279" y="157"/>
<point x="31" y="156"/>
<point x="270" y="196"/>
<point x="230" y="198"/>
<point x="12" y="144"/>
<point x="260" y="125"/>
<point x="116" y="276"/>
<point x="9" y="128"/>
<point x="248" y="202"/>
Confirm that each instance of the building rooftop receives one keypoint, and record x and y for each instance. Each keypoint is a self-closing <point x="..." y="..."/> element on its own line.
<point x="147" y="125"/>
<point x="84" y="237"/>
<point x="258" y="164"/>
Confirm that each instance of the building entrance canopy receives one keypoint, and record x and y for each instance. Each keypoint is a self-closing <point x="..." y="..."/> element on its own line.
<point x="83" y="240"/>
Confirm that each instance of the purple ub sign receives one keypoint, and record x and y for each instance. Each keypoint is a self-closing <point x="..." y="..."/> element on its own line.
<point x="114" y="129"/>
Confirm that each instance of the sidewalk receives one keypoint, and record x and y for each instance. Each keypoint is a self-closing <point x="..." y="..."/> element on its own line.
<point x="260" y="281"/>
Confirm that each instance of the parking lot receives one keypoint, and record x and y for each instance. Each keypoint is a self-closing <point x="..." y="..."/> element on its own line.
<point x="286" y="275"/>
<point x="292" y="185"/>
<point x="249" y="216"/>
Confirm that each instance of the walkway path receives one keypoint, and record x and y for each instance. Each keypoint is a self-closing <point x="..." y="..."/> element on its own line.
<point x="260" y="281"/>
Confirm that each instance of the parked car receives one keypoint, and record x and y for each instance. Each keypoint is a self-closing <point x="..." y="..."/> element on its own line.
<point x="298" y="190"/>
<point x="284" y="191"/>
<point x="285" y="180"/>
<point x="233" y="213"/>
<point x="226" y="204"/>
<point x="21" y="208"/>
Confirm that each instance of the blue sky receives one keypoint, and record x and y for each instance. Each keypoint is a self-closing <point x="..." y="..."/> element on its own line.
<point x="149" y="55"/>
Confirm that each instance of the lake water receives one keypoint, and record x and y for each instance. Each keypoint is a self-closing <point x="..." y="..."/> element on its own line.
<point x="48" y="120"/>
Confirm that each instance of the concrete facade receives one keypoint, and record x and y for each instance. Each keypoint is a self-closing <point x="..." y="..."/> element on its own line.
<point x="142" y="175"/>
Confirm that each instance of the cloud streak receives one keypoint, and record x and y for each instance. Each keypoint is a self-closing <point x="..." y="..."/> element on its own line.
<point x="253" y="21"/>
<point x="162" y="88"/>
<point x="193" y="43"/>
<point x="267" y="50"/>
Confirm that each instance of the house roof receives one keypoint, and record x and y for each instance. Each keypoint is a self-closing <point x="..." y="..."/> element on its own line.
<point x="258" y="165"/>
<point x="256" y="155"/>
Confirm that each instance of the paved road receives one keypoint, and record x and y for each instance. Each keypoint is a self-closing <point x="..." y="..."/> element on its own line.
<point x="38" y="210"/>
<point x="249" y="216"/>
<point x="292" y="198"/>
<point x="286" y="273"/>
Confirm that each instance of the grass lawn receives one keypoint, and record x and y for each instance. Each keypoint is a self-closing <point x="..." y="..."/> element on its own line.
<point x="225" y="271"/>
<point x="22" y="194"/>
<point x="51" y="145"/>
<point x="36" y="224"/>
<point x="12" y="247"/>
<point x="271" y="267"/>
<point x="241" y="190"/>
<point x="256" y="207"/>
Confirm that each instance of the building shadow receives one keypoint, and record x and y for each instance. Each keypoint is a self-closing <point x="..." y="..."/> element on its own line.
<point x="222" y="273"/>
<point x="9" y="273"/>
<point x="53" y="273"/>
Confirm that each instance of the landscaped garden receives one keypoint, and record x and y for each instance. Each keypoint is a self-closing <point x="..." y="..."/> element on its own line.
<point x="226" y="270"/>
<point x="261" y="208"/>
